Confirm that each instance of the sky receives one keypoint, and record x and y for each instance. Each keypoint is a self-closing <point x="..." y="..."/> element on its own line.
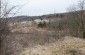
<point x="41" y="7"/>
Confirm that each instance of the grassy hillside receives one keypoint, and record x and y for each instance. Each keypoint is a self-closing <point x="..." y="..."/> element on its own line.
<point x="68" y="46"/>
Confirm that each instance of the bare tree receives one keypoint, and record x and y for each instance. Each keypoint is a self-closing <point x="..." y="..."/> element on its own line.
<point x="5" y="11"/>
<point x="77" y="13"/>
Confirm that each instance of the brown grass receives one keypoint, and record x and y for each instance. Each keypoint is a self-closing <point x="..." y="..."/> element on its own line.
<point x="29" y="30"/>
<point x="24" y="38"/>
<point x="69" y="46"/>
<point x="38" y="41"/>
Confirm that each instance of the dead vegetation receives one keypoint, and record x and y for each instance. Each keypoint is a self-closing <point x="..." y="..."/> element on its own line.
<point x="69" y="46"/>
<point x="50" y="40"/>
<point x="24" y="38"/>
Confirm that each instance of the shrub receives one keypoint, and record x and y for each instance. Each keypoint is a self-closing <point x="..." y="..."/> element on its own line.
<point x="42" y="24"/>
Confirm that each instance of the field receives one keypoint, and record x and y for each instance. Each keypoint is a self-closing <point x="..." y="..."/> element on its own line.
<point x="39" y="41"/>
<point x="42" y="31"/>
<point x="26" y="37"/>
<point x="68" y="46"/>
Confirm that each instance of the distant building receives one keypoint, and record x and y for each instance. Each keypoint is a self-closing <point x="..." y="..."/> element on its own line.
<point x="21" y="24"/>
<point x="37" y="21"/>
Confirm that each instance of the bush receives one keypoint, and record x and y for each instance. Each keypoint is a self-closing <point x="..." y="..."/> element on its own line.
<point x="42" y="24"/>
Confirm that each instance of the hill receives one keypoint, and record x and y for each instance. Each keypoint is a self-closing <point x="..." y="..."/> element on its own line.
<point x="29" y="18"/>
<point x="68" y="46"/>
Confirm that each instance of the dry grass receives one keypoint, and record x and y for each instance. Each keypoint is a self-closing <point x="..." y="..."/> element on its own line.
<point x="37" y="41"/>
<point x="29" y="30"/>
<point x="69" y="46"/>
<point x="27" y="37"/>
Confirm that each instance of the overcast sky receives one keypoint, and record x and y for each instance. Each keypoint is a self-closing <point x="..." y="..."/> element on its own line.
<point x="41" y="7"/>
